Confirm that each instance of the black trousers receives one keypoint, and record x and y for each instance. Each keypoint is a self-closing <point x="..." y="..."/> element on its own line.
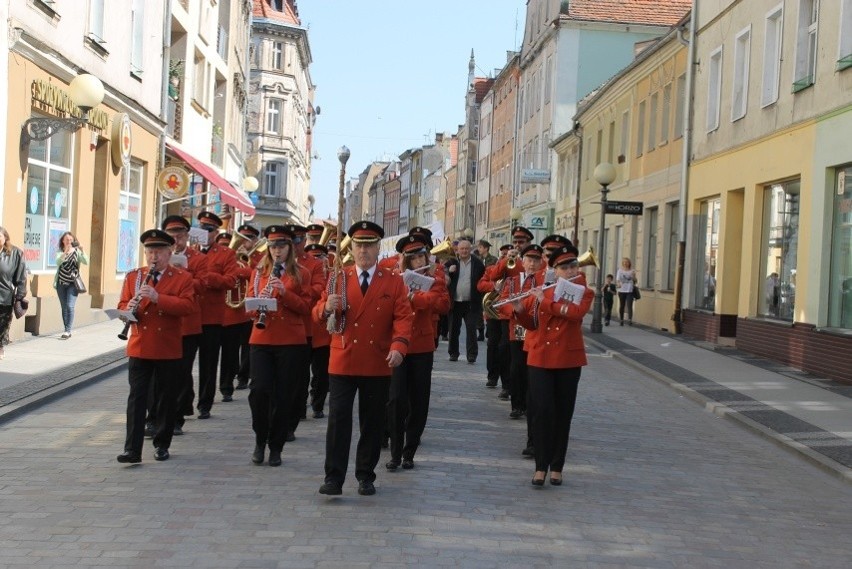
<point x="497" y="354"/>
<point x="553" y="395"/>
<point x="518" y="374"/>
<point x="208" y="364"/>
<point x="141" y="373"/>
<point x="408" y="403"/>
<point x="244" y="372"/>
<point x="302" y="367"/>
<point x="608" y="301"/>
<point x="273" y="386"/>
<point x="232" y="337"/>
<point x="443" y="325"/>
<point x="625" y="301"/>
<point x="186" y="384"/>
<point x="372" y="394"/>
<point x="319" y="382"/>
<point x="469" y="313"/>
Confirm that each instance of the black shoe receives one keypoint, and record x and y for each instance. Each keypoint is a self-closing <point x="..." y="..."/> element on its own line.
<point x="291" y="436"/>
<point x="385" y="443"/>
<point x="227" y="398"/>
<point x="204" y="414"/>
<point x="392" y="464"/>
<point x="471" y="360"/>
<point x="407" y="463"/>
<point x="161" y="454"/>
<point x="504" y="395"/>
<point x="454" y="358"/>
<point x="606" y="323"/>
<point x="274" y="457"/>
<point x="128" y="458"/>
<point x="257" y="455"/>
<point x="529" y="452"/>
<point x="241" y="385"/>
<point x="319" y="414"/>
<point x="491" y="383"/>
<point x="366" y="488"/>
<point x="555" y="481"/>
<point x="515" y="414"/>
<point x="178" y="431"/>
<point x="331" y="489"/>
<point x="538" y="481"/>
<point x="150" y="431"/>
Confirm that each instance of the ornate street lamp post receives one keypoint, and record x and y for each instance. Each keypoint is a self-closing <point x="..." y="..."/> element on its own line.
<point x="604" y="175"/>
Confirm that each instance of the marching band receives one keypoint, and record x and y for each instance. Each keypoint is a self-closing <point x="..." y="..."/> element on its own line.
<point x="317" y="322"/>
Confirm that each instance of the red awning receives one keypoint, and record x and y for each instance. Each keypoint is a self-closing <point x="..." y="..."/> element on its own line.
<point x="229" y="194"/>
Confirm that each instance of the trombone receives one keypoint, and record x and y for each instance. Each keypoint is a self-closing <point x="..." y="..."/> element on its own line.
<point x="243" y="259"/>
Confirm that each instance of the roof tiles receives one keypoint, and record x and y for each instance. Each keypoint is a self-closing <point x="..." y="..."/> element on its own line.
<point x="651" y="12"/>
<point x="268" y="9"/>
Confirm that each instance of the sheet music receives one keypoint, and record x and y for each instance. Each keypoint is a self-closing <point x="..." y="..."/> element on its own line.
<point x="123" y="315"/>
<point x="568" y="291"/>
<point x="271" y="304"/>
<point x="179" y="260"/>
<point x="416" y="281"/>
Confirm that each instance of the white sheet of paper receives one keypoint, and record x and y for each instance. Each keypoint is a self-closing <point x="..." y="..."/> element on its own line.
<point x="125" y="315"/>
<point x="416" y="281"/>
<point x="178" y="260"/>
<point x="569" y="291"/>
<point x="271" y="304"/>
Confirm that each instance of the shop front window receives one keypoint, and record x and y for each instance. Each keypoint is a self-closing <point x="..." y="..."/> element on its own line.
<point x="707" y="250"/>
<point x="129" y="217"/>
<point x="840" y="284"/>
<point x="48" y="200"/>
<point x="780" y="242"/>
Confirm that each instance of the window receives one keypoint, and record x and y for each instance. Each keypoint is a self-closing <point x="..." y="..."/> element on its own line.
<point x="273" y="116"/>
<point x="652" y="122"/>
<point x="625" y="136"/>
<point x="844" y="59"/>
<point x="129" y="217"/>
<point x="96" y="20"/>
<point x="277" y="62"/>
<point x="201" y="80"/>
<point x="806" y="40"/>
<point x="707" y="249"/>
<point x="780" y="240"/>
<point x="598" y="147"/>
<point x="742" y="49"/>
<point x="48" y="200"/>
<point x="137" y="47"/>
<point x="714" y="89"/>
<point x="771" y="56"/>
<point x="665" y="114"/>
<point x="275" y="179"/>
<point x="672" y="229"/>
<point x="652" y="231"/>
<point x="640" y="130"/>
<point x="840" y="277"/>
<point x="548" y="79"/>
<point x="610" y="142"/>
<point x="680" y="106"/>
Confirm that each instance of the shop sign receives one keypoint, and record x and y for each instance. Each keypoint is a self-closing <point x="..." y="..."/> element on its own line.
<point x="624" y="208"/>
<point x="50" y="97"/>
<point x="173" y="182"/>
<point x="535" y="176"/>
<point x="121" y="140"/>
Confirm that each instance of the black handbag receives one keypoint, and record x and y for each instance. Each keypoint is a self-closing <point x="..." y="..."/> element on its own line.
<point x="636" y="294"/>
<point x="80" y="284"/>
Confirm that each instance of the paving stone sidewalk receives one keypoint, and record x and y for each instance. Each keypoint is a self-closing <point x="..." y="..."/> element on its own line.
<point x="651" y="481"/>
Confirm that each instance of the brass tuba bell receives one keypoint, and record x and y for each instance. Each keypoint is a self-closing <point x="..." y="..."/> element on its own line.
<point x="329" y="230"/>
<point x="588" y="259"/>
<point x="444" y="249"/>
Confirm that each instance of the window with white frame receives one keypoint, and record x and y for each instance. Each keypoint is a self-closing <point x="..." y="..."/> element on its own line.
<point x="548" y="79"/>
<point x="772" y="55"/>
<point x="201" y="80"/>
<point x="680" y="106"/>
<point x="714" y="89"/>
<point x="651" y="232"/>
<point x="640" y="130"/>
<point x="129" y="217"/>
<point x="275" y="178"/>
<point x="652" y="122"/>
<point x="273" y="116"/>
<point x="665" y="113"/>
<point x="96" y="20"/>
<point x="706" y="250"/>
<point x="742" y="49"/>
<point x="277" y="62"/>
<point x="672" y="228"/>
<point x="610" y="143"/>
<point x="806" y="43"/>
<point x="844" y="59"/>
<point x="137" y="47"/>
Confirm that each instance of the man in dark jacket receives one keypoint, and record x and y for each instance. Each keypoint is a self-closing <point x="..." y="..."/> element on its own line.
<point x="464" y="272"/>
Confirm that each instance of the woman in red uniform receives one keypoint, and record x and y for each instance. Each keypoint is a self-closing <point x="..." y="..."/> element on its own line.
<point x="411" y="382"/>
<point x="277" y="346"/>
<point x="555" y="356"/>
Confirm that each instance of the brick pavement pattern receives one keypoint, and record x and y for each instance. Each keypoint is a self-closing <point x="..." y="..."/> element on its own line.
<point x="651" y="480"/>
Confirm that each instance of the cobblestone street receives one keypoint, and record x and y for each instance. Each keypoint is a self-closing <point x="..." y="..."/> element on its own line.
<point x="652" y="480"/>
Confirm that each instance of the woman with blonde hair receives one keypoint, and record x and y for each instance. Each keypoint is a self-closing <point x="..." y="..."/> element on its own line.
<point x="68" y="260"/>
<point x="13" y="284"/>
<point x="625" y="279"/>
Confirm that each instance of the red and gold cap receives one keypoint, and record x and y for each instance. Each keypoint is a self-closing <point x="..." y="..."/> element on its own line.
<point x="532" y="251"/>
<point x="366" y="232"/>
<point x="564" y="255"/>
<point x="413" y="245"/>
<point x="175" y="223"/>
<point x="519" y="231"/>
<point x="249" y="231"/>
<point x="209" y="219"/>
<point x="555" y="241"/>
<point x="278" y="233"/>
<point x="156" y="238"/>
<point x="223" y="237"/>
<point x="314" y="230"/>
<point x="316" y="250"/>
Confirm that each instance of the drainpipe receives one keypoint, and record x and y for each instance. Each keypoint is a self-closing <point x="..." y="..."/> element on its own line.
<point x="578" y="132"/>
<point x="164" y="97"/>
<point x="677" y="317"/>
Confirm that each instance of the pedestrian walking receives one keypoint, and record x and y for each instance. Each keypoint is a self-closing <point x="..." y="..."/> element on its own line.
<point x="465" y="272"/>
<point x="626" y="279"/>
<point x="69" y="257"/>
<point x="13" y="286"/>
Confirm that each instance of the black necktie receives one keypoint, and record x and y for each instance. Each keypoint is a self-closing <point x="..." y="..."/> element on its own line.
<point x="364" y="282"/>
<point x="155" y="277"/>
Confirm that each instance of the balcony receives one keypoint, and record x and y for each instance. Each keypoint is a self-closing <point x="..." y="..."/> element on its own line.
<point x="173" y="118"/>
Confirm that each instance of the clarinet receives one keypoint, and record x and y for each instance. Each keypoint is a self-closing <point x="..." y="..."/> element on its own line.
<point x="123" y="335"/>
<point x="261" y="318"/>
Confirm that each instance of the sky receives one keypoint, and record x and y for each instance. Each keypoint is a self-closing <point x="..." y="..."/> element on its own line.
<point x="390" y="74"/>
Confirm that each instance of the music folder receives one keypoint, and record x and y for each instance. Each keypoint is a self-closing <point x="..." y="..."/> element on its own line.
<point x="123" y="315"/>
<point x="268" y="304"/>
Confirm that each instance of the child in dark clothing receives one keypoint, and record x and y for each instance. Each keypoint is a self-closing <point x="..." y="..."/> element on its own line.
<point x="608" y="290"/>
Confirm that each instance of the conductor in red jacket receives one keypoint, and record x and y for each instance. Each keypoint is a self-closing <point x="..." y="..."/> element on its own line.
<point x="372" y="318"/>
<point x="555" y="356"/>
<point x="159" y="295"/>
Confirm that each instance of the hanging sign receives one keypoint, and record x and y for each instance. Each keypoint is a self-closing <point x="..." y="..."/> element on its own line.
<point x="121" y="140"/>
<point x="173" y="182"/>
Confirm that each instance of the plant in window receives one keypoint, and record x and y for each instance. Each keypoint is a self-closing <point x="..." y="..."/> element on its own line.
<point x="176" y="67"/>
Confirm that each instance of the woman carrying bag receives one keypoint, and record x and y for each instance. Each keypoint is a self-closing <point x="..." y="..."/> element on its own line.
<point x="67" y="282"/>
<point x="13" y="286"/>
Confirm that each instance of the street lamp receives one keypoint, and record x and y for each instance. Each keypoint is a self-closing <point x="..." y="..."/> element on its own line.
<point x="250" y="184"/>
<point x="604" y="175"/>
<point x="86" y="92"/>
<point x="514" y="217"/>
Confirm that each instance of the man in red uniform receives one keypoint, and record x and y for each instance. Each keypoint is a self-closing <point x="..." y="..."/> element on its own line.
<point x="219" y="276"/>
<point x="159" y="296"/>
<point x="320" y="341"/>
<point x="372" y="317"/>
<point x="313" y="233"/>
